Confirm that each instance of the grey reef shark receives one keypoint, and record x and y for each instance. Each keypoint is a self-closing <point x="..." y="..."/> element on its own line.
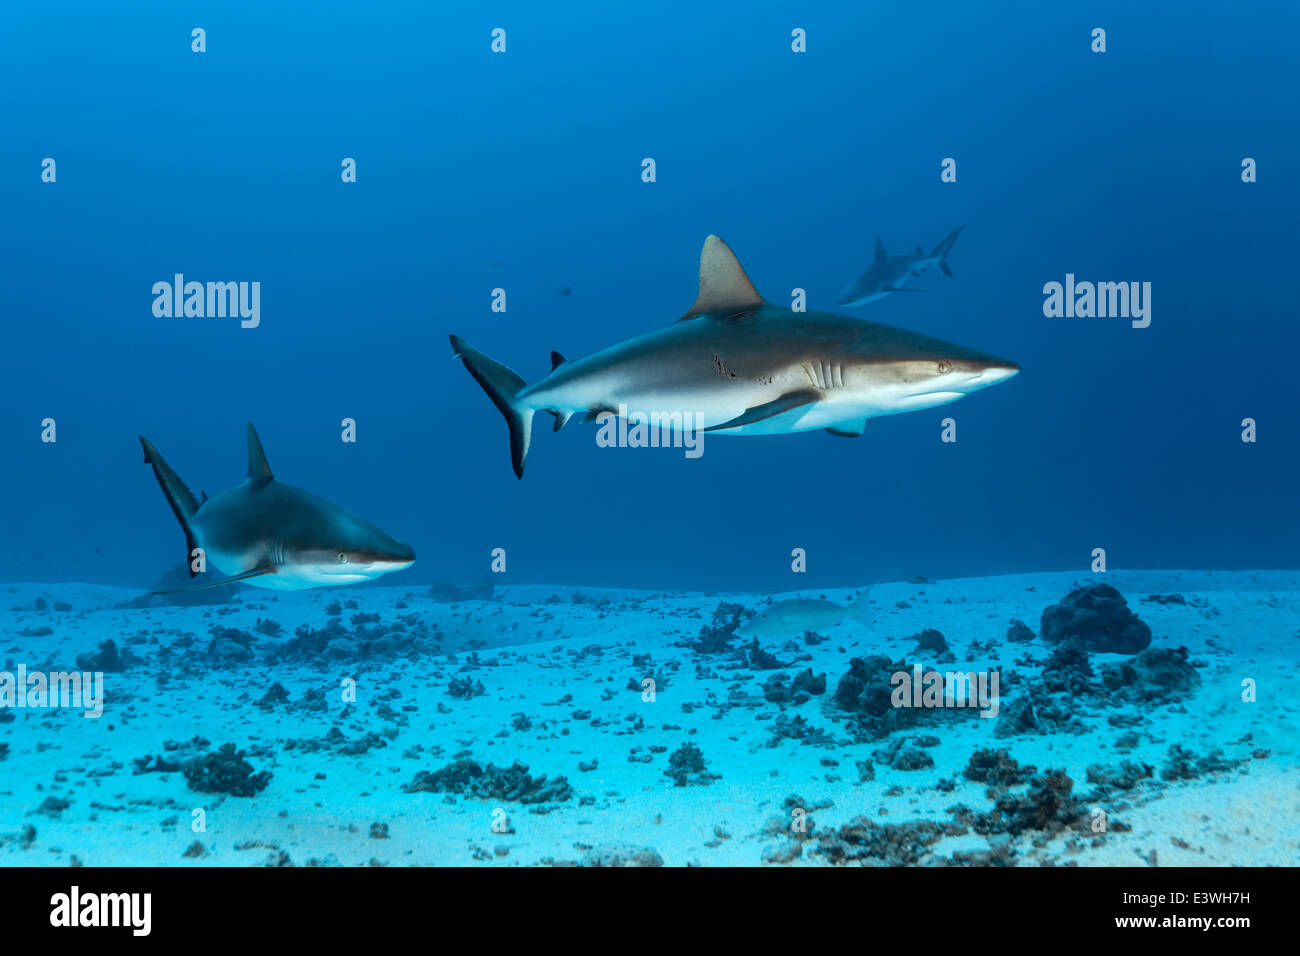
<point x="743" y="366"/>
<point x="272" y="535"/>
<point x="887" y="274"/>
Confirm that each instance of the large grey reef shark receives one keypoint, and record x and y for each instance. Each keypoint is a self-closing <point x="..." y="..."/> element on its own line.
<point x="272" y="535"/>
<point x="743" y="366"/>
<point x="887" y="274"/>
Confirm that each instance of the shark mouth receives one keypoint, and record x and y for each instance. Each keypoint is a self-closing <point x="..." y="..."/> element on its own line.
<point x="362" y="572"/>
<point x="928" y="400"/>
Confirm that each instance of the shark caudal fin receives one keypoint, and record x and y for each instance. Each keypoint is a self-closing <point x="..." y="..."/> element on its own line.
<point x="182" y="500"/>
<point x="861" y="607"/>
<point x="503" y="387"/>
<point x="942" y="249"/>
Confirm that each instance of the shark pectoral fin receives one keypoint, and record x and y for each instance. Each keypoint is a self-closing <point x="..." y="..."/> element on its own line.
<point x="259" y="472"/>
<point x="252" y="573"/>
<point x="725" y="290"/>
<point x="943" y="266"/>
<point x="848" y="431"/>
<point x="775" y="407"/>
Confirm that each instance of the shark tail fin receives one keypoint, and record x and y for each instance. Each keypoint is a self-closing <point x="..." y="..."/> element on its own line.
<point x="942" y="249"/>
<point x="503" y="387"/>
<point x="182" y="500"/>
<point x="861" y="607"/>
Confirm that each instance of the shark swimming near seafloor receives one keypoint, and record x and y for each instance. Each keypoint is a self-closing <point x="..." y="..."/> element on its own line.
<point x="888" y="274"/>
<point x="272" y="535"/>
<point x="739" y="365"/>
<point x="799" y="615"/>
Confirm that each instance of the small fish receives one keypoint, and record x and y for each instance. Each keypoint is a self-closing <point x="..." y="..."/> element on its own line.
<point x="567" y="290"/>
<point x="805" y="614"/>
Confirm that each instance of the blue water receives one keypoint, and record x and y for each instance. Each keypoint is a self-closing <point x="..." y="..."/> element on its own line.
<point x="226" y="166"/>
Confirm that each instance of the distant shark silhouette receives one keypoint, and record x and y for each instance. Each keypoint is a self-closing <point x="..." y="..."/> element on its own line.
<point x="887" y="274"/>
<point x="743" y="366"/>
<point x="273" y="535"/>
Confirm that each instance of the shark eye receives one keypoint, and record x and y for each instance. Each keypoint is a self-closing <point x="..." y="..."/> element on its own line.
<point x="343" y="558"/>
<point x="945" y="368"/>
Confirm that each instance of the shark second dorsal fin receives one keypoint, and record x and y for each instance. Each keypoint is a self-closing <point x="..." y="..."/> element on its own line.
<point x="259" y="472"/>
<point x="880" y="249"/>
<point x="725" y="290"/>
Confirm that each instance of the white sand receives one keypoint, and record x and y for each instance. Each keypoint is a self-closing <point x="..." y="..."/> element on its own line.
<point x="321" y="804"/>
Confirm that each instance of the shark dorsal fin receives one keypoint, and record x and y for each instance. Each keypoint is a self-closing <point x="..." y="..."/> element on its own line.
<point x="556" y="360"/>
<point x="919" y="251"/>
<point x="259" y="472"/>
<point x="880" y="248"/>
<point x="725" y="290"/>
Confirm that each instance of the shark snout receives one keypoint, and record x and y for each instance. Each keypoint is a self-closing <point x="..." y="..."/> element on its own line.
<point x="405" y="557"/>
<point x="396" y="557"/>
<point x="995" y="374"/>
<point x="856" y="293"/>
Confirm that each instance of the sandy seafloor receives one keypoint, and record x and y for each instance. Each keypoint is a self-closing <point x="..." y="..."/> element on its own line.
<point x="532" y="647"/>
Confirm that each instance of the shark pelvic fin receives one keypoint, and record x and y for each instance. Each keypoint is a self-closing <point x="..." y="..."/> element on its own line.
<point x="880" y="249"/>
<point x="595" y="413"/>
<point x="768" y="410"/>
<point x="725" y="290"/>
<point x="252" y="573"/>
<point x="848" y="431"/>
<point x="259" y="472"/>
<point x="180" y="497"/>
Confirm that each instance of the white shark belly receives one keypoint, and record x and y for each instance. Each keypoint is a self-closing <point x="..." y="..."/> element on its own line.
<point x="230" y="564"/>
<point x="864" y="299"/>
<point x="285" y="577"/>
<point x="687" y="409"/>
